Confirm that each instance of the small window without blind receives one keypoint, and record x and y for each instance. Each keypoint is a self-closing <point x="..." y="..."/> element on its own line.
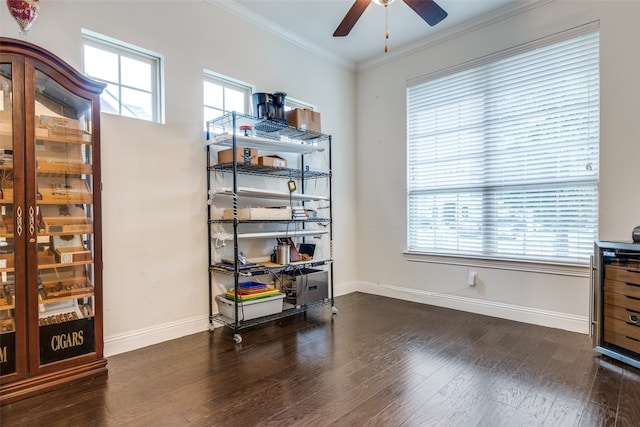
<point x="503" y="157"/>
<point x="132" y="76"/>
<point x="223" y="95"/>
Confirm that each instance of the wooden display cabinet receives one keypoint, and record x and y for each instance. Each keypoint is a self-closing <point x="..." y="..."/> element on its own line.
<point x="50" y="228"/>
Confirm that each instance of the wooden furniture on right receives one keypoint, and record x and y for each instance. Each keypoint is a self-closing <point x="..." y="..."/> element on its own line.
<point x="616" y="298"/>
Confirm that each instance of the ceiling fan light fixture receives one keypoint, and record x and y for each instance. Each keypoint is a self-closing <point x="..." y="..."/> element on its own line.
<point x="428" y="10"/>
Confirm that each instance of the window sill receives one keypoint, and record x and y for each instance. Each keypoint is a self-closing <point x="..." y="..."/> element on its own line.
<point x="576" y="270"/>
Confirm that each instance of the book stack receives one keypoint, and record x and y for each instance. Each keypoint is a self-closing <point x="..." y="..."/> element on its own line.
<point x="298" y="213"/>
<point x="248" y="291"/>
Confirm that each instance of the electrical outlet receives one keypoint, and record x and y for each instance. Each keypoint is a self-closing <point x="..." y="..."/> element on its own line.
<point x="471" y="278"/>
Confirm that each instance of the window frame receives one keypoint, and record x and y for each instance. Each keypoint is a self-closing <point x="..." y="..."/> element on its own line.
<point x="454" y="255"/>
<point x="227" y="83"/>
<point x="292" y="103"/>
<point x="128" y="50"/>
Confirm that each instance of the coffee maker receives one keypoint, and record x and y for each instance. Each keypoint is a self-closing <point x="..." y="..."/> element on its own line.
<point x="269" y="106"/>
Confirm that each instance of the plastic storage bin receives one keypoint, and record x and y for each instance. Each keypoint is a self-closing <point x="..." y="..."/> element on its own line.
<point x="250" y="309"/>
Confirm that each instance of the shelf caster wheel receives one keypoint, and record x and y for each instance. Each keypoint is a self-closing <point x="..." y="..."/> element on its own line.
<point x="334" y="310"/>
<point x="211" y="327"/>
<point x="237" y="338"/>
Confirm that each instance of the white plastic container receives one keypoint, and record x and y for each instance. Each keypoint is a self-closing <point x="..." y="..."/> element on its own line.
<point x="248" y="310"/>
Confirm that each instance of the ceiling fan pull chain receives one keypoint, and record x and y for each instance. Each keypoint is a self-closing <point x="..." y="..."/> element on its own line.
<point x="386" y="26"/>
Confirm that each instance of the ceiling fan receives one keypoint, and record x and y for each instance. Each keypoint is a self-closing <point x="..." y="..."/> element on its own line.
<point x="427" y="9"/>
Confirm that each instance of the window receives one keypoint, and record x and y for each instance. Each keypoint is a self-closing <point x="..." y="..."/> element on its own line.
<point x="291" y="104"/>
<point x="132" y="76"/>
<point x="223" y="95"/>
<point x="502" y="156"/>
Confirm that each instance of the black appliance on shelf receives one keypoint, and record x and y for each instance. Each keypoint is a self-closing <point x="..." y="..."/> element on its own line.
<point x="269" y="106"/>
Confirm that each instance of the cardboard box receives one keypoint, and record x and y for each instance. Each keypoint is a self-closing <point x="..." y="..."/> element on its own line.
<point x="257" y="214"/>
<point x="246" y="156"/>
<point x="275" y="161"/>
<point x="303" y="119"/>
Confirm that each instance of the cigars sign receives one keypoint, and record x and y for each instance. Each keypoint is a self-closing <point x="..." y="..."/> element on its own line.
<point x="64" y="340"/>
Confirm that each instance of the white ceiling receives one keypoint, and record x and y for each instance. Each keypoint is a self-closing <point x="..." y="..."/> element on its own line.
<point x="311" y="23"/>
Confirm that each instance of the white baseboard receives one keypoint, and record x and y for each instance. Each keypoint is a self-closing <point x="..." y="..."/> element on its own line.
<point x="552" y="319"/>
<point x="128" y="341"/>
<point x="345" y="288"/>
<point x="133" y="340"/>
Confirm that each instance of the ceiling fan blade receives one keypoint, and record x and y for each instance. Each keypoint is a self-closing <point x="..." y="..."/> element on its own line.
<point x="428" y="10"/>
<point x="351" y="18"/>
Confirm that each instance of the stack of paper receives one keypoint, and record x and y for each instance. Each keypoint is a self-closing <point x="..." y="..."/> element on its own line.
<point x="299" y="213"/>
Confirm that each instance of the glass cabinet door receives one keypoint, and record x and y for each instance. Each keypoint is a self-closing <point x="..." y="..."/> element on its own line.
<point x="63" y="221"/>
<point x="8" y="224"/>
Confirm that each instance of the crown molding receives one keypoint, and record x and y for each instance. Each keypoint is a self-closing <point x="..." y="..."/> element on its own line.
<point x="260" y="21"/>
<point x="482" y="21"/>
<point x="456" y="31"/>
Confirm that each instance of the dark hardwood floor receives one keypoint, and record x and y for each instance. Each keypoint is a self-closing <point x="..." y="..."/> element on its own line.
<point x="379" y="362"/>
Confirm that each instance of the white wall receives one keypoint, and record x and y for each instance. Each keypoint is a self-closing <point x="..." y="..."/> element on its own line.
<point x="550" y="296"/>
<point x="155" y="251"/>
<point x="154" y="196"/>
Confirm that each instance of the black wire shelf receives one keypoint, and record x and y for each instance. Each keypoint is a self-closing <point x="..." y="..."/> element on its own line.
<point x="268" y="171"/>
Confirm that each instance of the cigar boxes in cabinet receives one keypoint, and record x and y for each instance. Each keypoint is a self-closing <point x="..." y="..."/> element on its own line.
<point x="67" y="287"/>
<point x="52" y="122"/>
<point x="6" y="193"/>
<point x="6" y="298"/>
<point x="7" y="325"/>
<point x="65" y="282"/>
<point x="67" y="219"/>
<point x="58" y="152"/>
<point x="69" y="255"/>
<point x="64" y="190"/>
<point x="69" y="248"/>
<point x="45" y="258"/>
<point x="6" y="123"/>
<point x="55" y="319"/>
<point x="64" y="128"/>
<point x="6" y="261"/>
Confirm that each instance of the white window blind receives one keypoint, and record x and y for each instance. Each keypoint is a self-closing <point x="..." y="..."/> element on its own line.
<point x="503" y="157"/>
